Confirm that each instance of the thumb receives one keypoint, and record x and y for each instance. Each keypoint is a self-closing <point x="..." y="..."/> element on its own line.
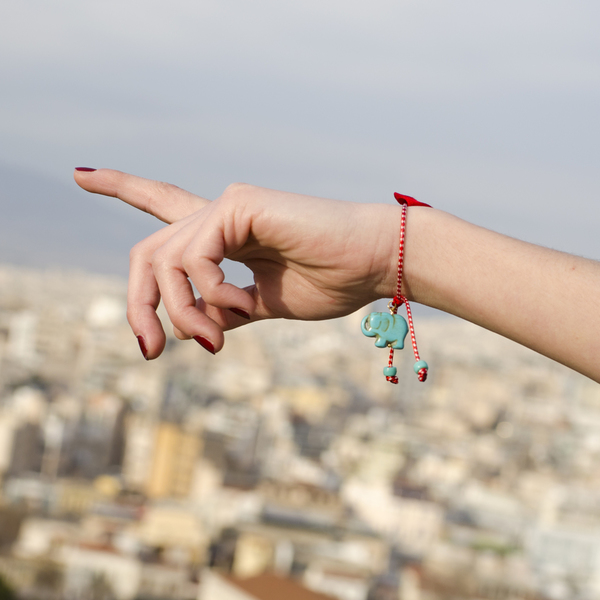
<point x="164" y="201"/>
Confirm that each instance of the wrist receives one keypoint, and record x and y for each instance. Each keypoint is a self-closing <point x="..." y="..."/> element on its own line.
<point x="385" y="220"/>
<point x="391" y="329"/>
<point x="420" y="225"/>
<point x="432" y="247"/>
<point x="423" y="226"/>
<point x="424" y="232"/>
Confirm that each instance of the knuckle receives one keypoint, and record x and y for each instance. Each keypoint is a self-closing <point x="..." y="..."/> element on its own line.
<point x="139" y="250"/>
<point x="165" y="189"/>
<point x="235" y="190"/>
<point x="131" y="315"/>
<point x="161" y="191"/>
<point x="159" y="258"/>
<point x="188" y="261"/>
<point x="134" y="314"/>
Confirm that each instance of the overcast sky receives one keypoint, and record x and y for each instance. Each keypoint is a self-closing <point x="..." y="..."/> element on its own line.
<point x="485" y="109"/>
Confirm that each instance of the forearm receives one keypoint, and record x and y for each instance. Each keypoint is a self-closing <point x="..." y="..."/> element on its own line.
<point x="319" y="259"/>
<point x="541" y="298"/>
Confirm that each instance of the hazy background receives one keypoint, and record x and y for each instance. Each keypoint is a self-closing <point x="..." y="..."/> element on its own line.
<point x="487" y="110"/>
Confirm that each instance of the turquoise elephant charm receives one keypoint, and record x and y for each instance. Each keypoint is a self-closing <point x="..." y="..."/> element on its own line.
<point x="390" y="330"/>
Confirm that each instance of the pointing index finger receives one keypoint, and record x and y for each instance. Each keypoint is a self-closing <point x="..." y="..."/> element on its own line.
<point x="164" y="201"/>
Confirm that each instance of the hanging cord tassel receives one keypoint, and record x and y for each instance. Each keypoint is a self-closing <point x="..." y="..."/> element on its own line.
<point x="420" y="367"/>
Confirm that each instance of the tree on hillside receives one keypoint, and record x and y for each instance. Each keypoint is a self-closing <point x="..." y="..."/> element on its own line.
<point x="6" y="592"/>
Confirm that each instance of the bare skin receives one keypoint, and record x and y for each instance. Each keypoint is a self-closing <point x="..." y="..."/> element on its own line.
<point x="314" y="258"/>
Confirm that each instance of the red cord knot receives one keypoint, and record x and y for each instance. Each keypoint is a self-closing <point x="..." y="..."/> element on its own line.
<point x="397" y="301"/>
<point x="422" y="375"/>
<point x="393" y="379"/>
<point x="409" y="200"/>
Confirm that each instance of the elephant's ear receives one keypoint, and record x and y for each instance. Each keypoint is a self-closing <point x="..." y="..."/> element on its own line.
<point x="386" y="321"/>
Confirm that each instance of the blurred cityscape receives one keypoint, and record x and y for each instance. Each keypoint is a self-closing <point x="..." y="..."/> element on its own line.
<point x="285" y="467"/>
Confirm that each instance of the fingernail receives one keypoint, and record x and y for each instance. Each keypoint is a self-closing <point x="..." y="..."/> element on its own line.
<point x="206" y="344"/>
<point x="142" y="343"/>
<point x="85" y="169"/>
<point x="240" y="313"/>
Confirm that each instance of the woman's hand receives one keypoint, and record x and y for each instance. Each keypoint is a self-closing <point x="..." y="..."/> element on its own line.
<point x="312" y="258"/>
<point x="318" y="259"/>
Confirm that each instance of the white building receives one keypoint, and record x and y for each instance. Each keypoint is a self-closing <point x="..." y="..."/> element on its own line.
<point x="561" y="557"/>
<point x="85" y="565"/>
<point x="414" y="524"/>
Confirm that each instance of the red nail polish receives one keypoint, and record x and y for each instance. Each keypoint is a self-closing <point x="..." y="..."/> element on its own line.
<point x="85" y="169"/>
<point x="240" y="313"/>
<point x="206" y="344"/>
<point x="142" y="343"/>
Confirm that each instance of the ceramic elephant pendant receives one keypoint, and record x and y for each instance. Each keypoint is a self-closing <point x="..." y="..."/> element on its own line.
<point x="388" y="329"/>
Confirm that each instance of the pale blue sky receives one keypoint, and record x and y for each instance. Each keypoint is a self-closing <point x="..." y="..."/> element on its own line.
<point x="485" y="109"/>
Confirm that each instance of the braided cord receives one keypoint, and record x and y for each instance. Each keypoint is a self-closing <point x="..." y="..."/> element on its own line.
<point x="399" y="299"/>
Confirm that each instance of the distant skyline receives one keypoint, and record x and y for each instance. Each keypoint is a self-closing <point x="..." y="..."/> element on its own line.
<point x="488" y="111"/>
